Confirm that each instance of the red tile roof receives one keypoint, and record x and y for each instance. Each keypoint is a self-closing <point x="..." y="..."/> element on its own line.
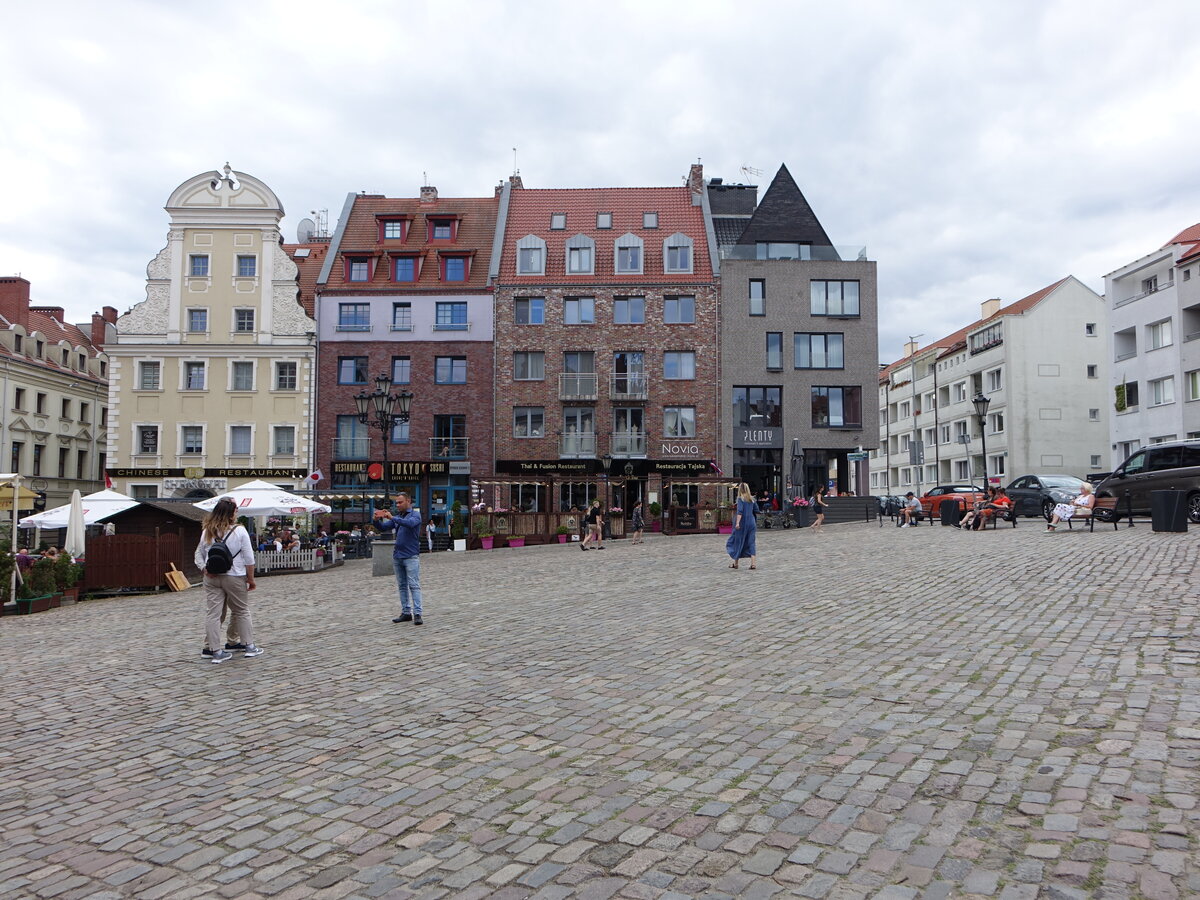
<point x="310" y="268"/>
<point x="54" y="331"/>
<point x="476" y="230"/>
<point x="954" y="342"/>
<point x="1188" y="236"/>
<point x="1189" y="254"/>
<point x="530" y="209"/>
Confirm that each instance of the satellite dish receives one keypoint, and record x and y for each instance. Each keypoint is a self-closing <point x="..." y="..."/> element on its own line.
<point x="305" y="230"/>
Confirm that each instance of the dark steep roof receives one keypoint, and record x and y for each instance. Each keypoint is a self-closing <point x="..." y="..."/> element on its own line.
<point x="784" y="215"/>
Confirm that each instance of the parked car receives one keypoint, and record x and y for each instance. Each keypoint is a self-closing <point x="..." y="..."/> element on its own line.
<point x="1170" y="466"/>
<point x="931" y="502"/>
<point x="1036" y="495"/>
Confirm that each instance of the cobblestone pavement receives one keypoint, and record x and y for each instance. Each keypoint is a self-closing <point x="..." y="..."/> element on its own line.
<point x="874" y="713"/>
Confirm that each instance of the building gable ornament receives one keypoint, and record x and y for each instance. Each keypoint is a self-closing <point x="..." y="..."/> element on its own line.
<point x="150" y="316"/>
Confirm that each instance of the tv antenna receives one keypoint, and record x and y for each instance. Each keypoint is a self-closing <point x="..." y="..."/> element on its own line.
<point x="516" y="171"/>
<point x="320" y="223"/>
<point x="751" y="172"/>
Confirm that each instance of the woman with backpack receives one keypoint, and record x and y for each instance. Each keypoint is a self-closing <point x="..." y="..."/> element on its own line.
<point x="225" y="557"/>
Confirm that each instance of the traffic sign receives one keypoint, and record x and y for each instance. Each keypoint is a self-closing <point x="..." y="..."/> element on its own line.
<point x="857" y="457"/>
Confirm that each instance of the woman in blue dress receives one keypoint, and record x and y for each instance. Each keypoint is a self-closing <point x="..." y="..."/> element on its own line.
<point x="741" y="540"/>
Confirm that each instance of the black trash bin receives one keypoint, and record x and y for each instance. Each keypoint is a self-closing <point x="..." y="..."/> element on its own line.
<point x="952" y="512"/>
<point x="1168" y="511"/>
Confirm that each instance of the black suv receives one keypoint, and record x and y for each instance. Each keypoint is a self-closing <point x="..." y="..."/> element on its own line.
<point x="1159" y="467"/>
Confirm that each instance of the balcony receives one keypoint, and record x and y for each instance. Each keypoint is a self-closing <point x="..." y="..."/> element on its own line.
<point x="628" y="386"/>
<point x="808" y="252"/>
<point x="628" y="444"/>
<point x="577" y="445"/>
<point x="352" y="448"/>
<point x="448" y="448"/>
<point x="577" y="386"/>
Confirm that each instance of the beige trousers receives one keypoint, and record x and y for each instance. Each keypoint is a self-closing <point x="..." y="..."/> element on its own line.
<point x="218" y="591"/>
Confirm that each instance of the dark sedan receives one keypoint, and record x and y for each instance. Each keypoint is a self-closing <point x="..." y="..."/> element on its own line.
<point x="1036" y="495"/>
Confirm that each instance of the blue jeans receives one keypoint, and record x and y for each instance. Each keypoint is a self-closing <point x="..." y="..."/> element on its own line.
<point x="408" y="582"/>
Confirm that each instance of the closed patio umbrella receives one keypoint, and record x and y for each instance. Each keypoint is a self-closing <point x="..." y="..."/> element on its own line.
<point x="74" y="544"/>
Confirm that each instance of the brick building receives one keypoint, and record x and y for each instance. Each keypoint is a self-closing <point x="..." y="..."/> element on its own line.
<point x="404" y="291"/>
<point x="606" y="347"/>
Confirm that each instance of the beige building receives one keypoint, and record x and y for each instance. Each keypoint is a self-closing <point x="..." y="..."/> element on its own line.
<point x="53" y="395"/>
<point x="211" y="375"/>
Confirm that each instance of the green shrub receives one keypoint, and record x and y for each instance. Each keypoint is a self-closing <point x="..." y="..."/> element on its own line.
<point x="656" y="508"/>
<point x="41" y="579"/>
<point x="66" y="573"/>
<point x="6" y="567"/>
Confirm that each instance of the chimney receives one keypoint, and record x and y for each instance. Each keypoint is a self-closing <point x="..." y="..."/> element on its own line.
<point x="97" y="333"/>
<point x="109" y="313"/>
<point x="990" y="307"/>
<point x="54" y="312"/>
<point x="910" y="347"/>
<point x="428" y="194"/>
<point x="515" y="180"/>
<point x="695" y="180"/>
<point x="14" y="300"/>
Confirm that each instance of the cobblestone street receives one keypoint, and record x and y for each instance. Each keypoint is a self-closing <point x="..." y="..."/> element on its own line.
<point x="874" y="713"/>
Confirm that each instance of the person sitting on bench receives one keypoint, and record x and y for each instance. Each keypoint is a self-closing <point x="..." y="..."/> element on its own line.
<point x="910" y="513"/>
<point x="997" y="501"/>
<point x="1081" y="506"/>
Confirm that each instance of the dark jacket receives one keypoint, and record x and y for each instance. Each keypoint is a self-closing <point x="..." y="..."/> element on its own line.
<point x="408" y="531"/>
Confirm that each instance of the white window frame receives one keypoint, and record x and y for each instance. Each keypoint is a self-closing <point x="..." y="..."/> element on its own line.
<point x="187" y="319"/>
<point x="233" y="322"/>
<point x="958" y="392"/>
<point x="275" y="430"/>
<point x="581" y="242"/>
<point x="229" y="451"/>
<point x="237" y="265"/>
<point x="1161" y="391"/>
<point x="203" y="426"/>
<point x="996" y="422"/>
<point x="994" y="379"/>
<point x="532" y="242"/>
<point x="629" y="241"/>
<point x="253" y="375"/>
<point x="649" y="220"/>
<point x="183" y="370"/>
<point x="137" y="438"/>
<point x="962" y="470"/>
<point x="996" y="464"/>
<point x="275" y="375"/>
<point x="1156" y="331"/>
<point x="604" y="221"/>
<point x="141" y="362"/>
<point x="679" y="239"/>
<point x="191" y="265"/>
<point x="1192" y="384"/>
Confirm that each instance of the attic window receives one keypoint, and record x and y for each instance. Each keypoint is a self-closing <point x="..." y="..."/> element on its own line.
<point x="441" y="229"/>
<point x="393" y="229"/>
<point x="558" y="221"/>
<point x="604" y="220"/>
<point x="302" y="252"/>
<point x="650" y="220"/>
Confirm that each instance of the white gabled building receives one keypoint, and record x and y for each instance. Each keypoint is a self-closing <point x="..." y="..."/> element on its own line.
<point x="1041" y="362"/>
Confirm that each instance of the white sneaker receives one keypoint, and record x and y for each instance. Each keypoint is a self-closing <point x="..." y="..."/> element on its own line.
<point x="252" y="651"/>
<point x="905" y="525"/>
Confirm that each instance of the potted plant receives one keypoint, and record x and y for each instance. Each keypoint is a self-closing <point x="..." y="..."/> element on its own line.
<point x="458" y="527"/>
<point x="66" y="575"/>
<point x="38" y="589"/>
<point x="516" y="540"/>
<point x="801" y="512"/>
<point x="564" y="533"/>
<point x="655" y="516"/>
<point x="486" y="539"/>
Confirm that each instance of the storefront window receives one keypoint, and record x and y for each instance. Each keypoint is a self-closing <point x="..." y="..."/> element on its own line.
<point x="527" y="497"/>
<point x="577" y="494"/>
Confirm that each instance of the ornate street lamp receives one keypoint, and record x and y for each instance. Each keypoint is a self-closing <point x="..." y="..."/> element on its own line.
<point x="981" y="404"/>
<point x="384" y="410"/>
<point x="607" y="461"/>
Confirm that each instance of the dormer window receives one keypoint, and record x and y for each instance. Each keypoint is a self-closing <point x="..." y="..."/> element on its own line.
<point x="406" y="268"/>
<point x="604" y="220"/>
<point x="650" y="220"/>
<point x="455" y="266"/>
<point x="628" y="254"/>
<point x="358" y="268"/>
<point x="677" y="253"/>
<point x="393" y="228"/>
<point x="441" y="229"/>
<point x="531" y="255"/>
<point x="558" y="221"/>
<point x="581" y="255"/>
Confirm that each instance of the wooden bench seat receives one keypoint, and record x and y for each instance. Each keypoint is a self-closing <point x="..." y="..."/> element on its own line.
<point x="1109" y="503"/>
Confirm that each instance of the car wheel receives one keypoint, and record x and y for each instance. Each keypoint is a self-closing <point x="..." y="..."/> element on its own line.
<point x="1048" y="509"/>
<point x="1193" y="507"/>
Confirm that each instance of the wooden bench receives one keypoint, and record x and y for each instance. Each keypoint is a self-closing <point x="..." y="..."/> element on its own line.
<point x="989" y="515"/>
<point x="1109" y="503"/>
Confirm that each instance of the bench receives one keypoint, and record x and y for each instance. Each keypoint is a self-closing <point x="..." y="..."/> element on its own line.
<point x="1109" y="503"/>
<point x="989" y="515"/>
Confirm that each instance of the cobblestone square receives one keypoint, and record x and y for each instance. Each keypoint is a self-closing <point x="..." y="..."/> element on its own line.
<point x="874" y="713"/>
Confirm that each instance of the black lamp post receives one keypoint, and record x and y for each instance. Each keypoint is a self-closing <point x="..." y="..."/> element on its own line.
<point x="981" y="404"/>
<point x="383" y="409"/>
<point x="607" y="461"/>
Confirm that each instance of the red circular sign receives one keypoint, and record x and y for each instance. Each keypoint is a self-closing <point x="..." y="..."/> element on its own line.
<point x="375" y="472"/>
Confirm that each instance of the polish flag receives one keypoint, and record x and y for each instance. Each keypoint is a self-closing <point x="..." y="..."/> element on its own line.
<point x="716" y="468"/>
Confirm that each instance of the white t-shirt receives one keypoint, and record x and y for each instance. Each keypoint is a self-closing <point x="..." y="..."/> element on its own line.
<point x="239" y="545"/>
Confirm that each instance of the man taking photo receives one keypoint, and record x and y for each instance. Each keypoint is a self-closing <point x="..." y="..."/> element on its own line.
<point x="406" y="557"/>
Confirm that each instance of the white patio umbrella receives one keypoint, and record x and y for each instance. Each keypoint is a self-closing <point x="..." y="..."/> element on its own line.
<point x="97" y="506"/>
<point x="260" y="498"/>
<point x="74" y="544"/>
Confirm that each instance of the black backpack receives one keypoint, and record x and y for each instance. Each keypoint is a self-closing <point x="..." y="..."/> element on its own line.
<point x="220" y="560"/>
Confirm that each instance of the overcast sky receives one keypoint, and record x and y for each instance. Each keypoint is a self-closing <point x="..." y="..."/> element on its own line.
<point x="977" y="149"/>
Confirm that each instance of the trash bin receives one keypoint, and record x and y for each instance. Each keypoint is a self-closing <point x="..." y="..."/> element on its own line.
<point x="1168" y="511"/>
<point x="952" y="512"/>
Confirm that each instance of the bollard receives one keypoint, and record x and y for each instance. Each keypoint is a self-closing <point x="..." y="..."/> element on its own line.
<point x="1128" y="508"/>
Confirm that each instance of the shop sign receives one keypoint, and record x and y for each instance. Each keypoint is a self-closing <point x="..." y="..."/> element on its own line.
<point x="460" y="468"/>
<point x="757" y="438"/>
<point x="396" y="470"/>
<point x="679" y="448"/>
<point x="216" y="485"/>
<point x="580" y="467"/>
<point x="194" y="472"/>
<point x="685" y="517"/>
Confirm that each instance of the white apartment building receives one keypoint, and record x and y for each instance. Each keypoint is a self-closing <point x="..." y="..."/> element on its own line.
<point x="1041" y="364"/>
<point x="1154" y="323"/>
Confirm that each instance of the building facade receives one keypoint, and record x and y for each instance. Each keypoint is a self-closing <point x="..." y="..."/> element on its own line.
<point x="211" y="375"/>
<point x="1154" y="324"/>
<point x="607" y="365"/>
<point x="405" y="292"/>
<point x="54" y="395"/>
<point x="1041" y="363"/>
<point x="798" y="343"/>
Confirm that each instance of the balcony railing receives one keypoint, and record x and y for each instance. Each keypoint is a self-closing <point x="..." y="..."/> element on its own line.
<point x="577" y="386"/>
<point x="629" y="386"/>
<point x="628" y="443"/>
<point x="351" y="448"/>
<point x="807" y="251"/>
<point x="448" y="448"/>
<point x="577" y="445"/>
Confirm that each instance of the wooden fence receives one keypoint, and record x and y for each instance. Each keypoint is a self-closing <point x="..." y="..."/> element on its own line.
<point x="272" y="562"/>
<point x="130" y="561"/>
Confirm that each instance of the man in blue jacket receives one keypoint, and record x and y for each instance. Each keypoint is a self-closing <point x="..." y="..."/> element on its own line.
<point x="406" y="558"/>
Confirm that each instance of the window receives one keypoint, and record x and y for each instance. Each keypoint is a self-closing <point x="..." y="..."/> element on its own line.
<point x="996" y="422"/>
<point x="757" y="406"/>
<point x="604" y="220"/>
<point x="401" y="317"/>
<point x="352" y="370"/>
<point x="530" y="261"/>
<point x="992" y="336"/>
<point x="1193" y="384"/>
<point x="814" y="350"/>
<point x="65" y="409"/>
<point x="82" y="362"/>
<point x="39" y="349"/>
<point x="1093" y="371"/>
<point x="529" y="422"/>
<point x="629" y="310"/>
<point x="449" y="436"/>
<point x="451" y="317"/>
<point x="400" y="433"/>
<point x="529" y="311"/>
<point x="193" y="376"/>
<point x="198" y="265"/>
<point x="959" y="391"/>
<point x="285" y="376"/>
<point x="81" y="458"/>
<point x="104" y="417"/>
<point x="404" y="268"/>
<point x="84" y="412"/>
<point x="1150" y="285"/>
<point x="247" y="266"/>
<point x="358" y="268"/>
<point x="450" y="370"/>
<point x="283" y="440"/>
<point x="443" y="229"/>
<point x="39" y="404"/>
<point x="758" y="296"/>
<point x="1128" y="390"/>
<point x="529" y="366"/>
<point x="1094" y="461"/>
<point x="454" y="268"/>
<point x="961" y="430"/>
<point x="579" y="311"/>
<point x="352" y="440"/>
<point x="679" y="310"/>
<point x="197" y="320"/>
<point x="1158" y="335"/>
<point x="579" y="260"/>
<point x="191" y="438"/>
<point x="679" y="421"/>
<point x="17" y="342"/>
<point x="393" y="229"/>
<point x="685" y="495"/>
<point x="679" y="365"/>
<point x="558" y="221"/>
<point x="239" y="440"/>
<point x="774" y="350"/>
<point x="782" y="250"/>
<point x="677" y="253"/>
<point x="904" y="410"/>
<point x="1093" y="415"/>
<point x="836" y="407"/>
<point x="996" y="465"/>
<point x="242" y="376"/>
<point x="401" y="369"/>
<point x="147" y="439"/>
<point x="66" y="358"/>
<point x="243" y="321"/>
<point x="834" y="298"/>
<point x="19" y="398"/>
<point x="994" y="381"/>
<point x="628" y="252"/>
<point x="650" y="220"/>
<point x="1089" y="329"/>
<point x="1162" y="391"/>
<point x="38" y="452"/>
<point x="149" y="375"/>
<point x="17" y="447"/>
<point x="354" y="317"/>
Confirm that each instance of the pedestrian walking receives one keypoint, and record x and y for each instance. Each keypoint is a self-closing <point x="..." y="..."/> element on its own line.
<point x="742" y="540"/>
<point x="406" y="557"/>
<point x="819" y="503"/>
<point x="225" y="558"/>
<point x="430" y="528"/>
<point x="595" y="527"/>
<point x="638" y="523"/>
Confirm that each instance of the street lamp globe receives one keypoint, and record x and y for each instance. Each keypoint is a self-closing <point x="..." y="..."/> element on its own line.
<point x="981" y="403"/>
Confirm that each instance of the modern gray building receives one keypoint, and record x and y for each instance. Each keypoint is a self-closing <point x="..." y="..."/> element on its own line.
<point x="799" y="346"/>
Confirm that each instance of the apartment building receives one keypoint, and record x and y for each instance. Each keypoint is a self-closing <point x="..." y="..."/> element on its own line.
<point x="211" y="375"/>
<point x="1041" y="365"/>
<point x="1154" y="323"/>
<point x="53" y="395"/>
